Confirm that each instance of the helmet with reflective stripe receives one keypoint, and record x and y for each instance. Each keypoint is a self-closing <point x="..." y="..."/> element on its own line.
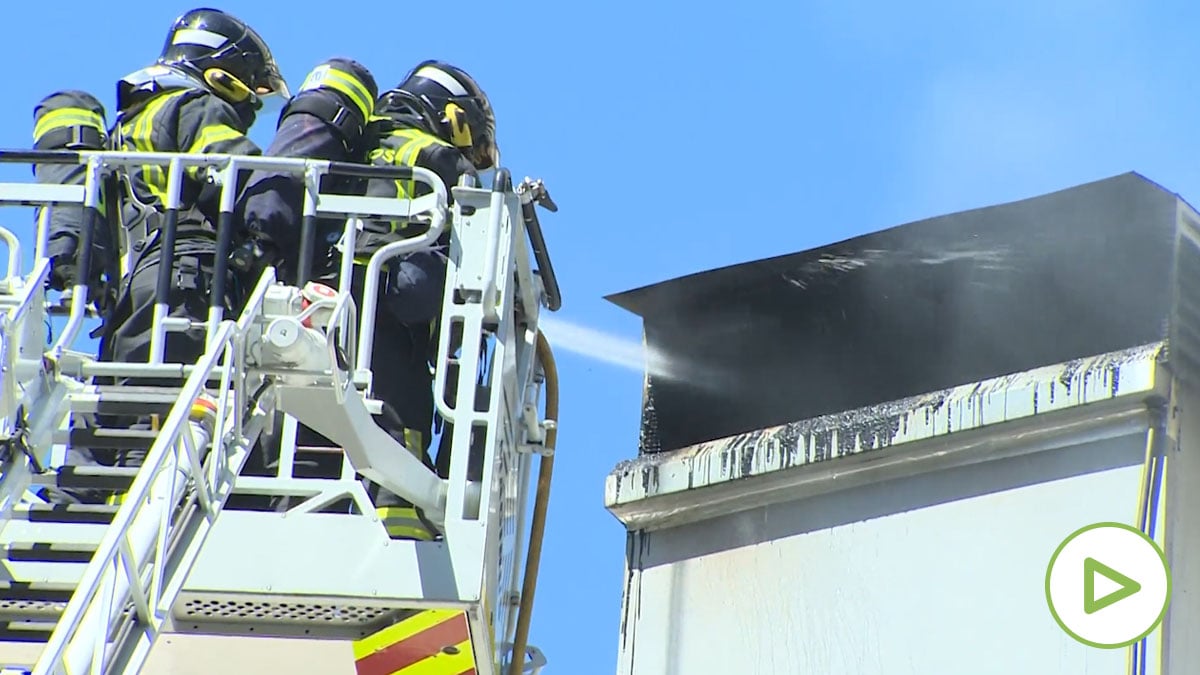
<point x="226" y="53"/>
<point x="455" y="108"/>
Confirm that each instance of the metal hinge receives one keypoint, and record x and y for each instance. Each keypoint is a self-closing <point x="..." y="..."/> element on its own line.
<point x="535" y="432"/>
<point x="18" y="441"/>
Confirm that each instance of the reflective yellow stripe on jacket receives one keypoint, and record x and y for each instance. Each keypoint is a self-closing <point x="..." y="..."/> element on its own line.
<point x="406" y="155"/>
<point x="138" y="134"/>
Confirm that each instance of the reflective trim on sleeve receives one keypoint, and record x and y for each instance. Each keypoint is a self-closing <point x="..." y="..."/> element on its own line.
<point x="345" y="83"/>
<point x="66" y="117"/>
<point x="140" y="135"/>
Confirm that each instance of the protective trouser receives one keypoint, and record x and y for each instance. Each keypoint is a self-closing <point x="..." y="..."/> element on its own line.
<point x="326" y="119"/>
<point x="126" y="338"/>
<point x="128" y="333"/>
<point x="445" y="441"/>
<point x="411" y="290"/>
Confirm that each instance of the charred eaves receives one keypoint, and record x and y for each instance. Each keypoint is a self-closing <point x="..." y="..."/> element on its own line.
<point x="915" y="308"/>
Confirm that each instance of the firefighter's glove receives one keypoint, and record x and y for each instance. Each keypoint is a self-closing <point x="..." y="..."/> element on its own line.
<point x="62" y="273"/>
<point x="250" y="259"/>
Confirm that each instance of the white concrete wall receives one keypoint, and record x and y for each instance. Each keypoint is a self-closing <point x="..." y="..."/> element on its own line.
<point x="941" y="574"/>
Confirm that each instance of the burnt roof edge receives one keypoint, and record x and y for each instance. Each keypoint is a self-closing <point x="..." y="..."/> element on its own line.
<point x="798" y="459"/>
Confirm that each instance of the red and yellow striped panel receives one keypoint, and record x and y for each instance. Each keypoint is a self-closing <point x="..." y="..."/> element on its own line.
<point x="434" y="642"/>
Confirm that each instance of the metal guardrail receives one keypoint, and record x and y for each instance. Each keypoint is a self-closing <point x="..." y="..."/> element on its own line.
<point x="13" y="271"/>
<point x="174" y="501"/>
<point x="30" y="400"/>
<point x="222" y="170"/>
<point x="140" y="550"/>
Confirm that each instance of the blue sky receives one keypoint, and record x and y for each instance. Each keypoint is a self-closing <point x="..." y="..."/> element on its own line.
<point x="681" y="137"/>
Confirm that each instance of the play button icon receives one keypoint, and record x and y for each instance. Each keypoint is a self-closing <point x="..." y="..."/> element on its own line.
<point x="1092" y="569"/>
<point x="1108" y="585"/>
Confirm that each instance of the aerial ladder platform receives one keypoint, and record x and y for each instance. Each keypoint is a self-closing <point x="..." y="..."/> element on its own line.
<point x="193" y="540"/>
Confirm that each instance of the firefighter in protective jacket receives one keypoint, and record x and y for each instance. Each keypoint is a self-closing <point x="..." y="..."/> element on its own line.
<point x="72" y="120"/>
<point x="440" y="119"/>
<point x="327" y="119"/>
<point x="75" y="120"/>
<point x="201" y="96"/>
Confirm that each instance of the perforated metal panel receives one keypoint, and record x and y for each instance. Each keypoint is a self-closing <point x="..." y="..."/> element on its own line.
<point x="30" y="609"/>
<point x="253" y="610"/>
<point x="218" y="614"/>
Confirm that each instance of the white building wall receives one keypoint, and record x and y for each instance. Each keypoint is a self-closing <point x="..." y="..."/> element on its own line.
<point x="937" y="574"/>
<point x="909" y="537"/>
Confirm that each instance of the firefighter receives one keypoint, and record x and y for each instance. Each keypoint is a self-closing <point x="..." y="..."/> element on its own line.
<point x="72" y="120"/>
<point x="327" y="119"/>
<point x="440" y="119"/>
<point x="201" y="96"/>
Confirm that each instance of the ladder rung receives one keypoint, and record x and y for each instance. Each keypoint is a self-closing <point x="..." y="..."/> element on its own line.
<point x="89" y="477"/>
<point x="112" y="439"/>
<point x="55" y="572"/>
<point x="66" y="513"/>
<point x="72" y="478"/>
<point x="30" y="610"/>
<point x="23" y="602"/>
<point x="39" y="552"/>
<point x="82" y="536"/>
<point x="125" y="400"/>
<point x="128" y="391"/>
<point x="13" y="591"/>
<point x="321" y="449"/>
<point x="12" y="633"/>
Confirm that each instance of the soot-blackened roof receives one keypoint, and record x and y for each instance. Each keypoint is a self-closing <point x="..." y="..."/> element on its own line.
<point x="911" y="309"/>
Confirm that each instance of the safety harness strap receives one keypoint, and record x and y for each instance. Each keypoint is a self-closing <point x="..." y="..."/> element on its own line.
<point x="74" y="137"/>
<point x="348" y="122"/>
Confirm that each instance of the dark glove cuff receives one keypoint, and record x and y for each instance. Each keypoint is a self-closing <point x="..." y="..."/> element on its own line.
<point x="62" y="275"/>
<point x="62" y="247"/>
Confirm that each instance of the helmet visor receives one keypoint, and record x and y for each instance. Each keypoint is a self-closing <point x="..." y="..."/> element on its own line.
<point x="269" y="81"/>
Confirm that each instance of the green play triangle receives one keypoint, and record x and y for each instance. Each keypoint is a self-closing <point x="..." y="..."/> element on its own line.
<point x="1092" y="604"/>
